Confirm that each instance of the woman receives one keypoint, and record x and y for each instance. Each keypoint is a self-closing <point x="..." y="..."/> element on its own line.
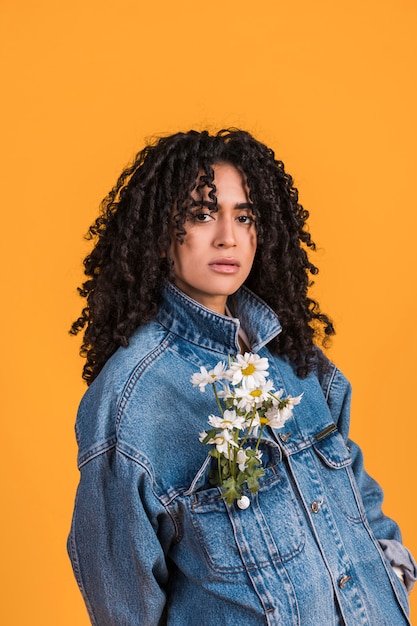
<point x="201" y="255"/>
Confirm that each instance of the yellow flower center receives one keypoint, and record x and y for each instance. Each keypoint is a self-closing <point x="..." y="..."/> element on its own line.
<point x="248" y="370"/>
<point x="256" y="393"/>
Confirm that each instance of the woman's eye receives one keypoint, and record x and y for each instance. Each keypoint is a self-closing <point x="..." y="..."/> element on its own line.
<point x="246" y="219"/>
<point x="202" y="217"/>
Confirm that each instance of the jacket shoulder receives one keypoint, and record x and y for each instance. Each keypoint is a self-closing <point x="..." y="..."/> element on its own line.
<point x="336" y="390"/>
<point x="96" y="423"/>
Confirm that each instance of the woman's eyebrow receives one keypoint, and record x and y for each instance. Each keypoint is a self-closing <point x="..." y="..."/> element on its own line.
<point x="199" y="203"/>
<point x="244" y="205"/>
<point x="210" y="204"/>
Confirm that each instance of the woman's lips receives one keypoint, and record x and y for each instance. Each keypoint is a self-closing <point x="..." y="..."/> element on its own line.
<point x="225" y="265"/>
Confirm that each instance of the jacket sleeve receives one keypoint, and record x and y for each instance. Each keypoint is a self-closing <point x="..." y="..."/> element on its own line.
<point x="116" y="542"/>
<point x="338" y="393"/>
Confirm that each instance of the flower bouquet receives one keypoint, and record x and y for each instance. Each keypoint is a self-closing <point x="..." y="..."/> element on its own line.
<point x="247" y="404"/>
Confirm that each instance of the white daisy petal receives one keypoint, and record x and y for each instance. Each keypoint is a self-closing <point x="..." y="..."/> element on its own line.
<point x="204" y="377"/>
<point x="249" y="370"/>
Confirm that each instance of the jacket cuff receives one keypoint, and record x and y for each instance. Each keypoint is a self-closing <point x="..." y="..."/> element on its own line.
<point x="399" y="556"/>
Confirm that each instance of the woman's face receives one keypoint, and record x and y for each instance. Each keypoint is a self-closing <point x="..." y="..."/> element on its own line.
<point x="217" y="253"/>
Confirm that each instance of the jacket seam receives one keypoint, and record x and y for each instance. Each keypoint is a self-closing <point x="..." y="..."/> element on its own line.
<point x="97" y="450"/>
<point x="330" y="383"/>
<point x="136" y="457"/>
<point x="73" y="553"/>
<point x="136" y="374"/>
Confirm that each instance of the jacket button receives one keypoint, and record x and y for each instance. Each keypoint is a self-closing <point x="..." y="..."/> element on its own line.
<point x="343" y="580"/>
<point x="315" y="506"/>
<point x="243" y="502"/>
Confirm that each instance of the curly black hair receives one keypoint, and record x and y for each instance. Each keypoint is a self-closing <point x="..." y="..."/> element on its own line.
<point x="130" y="260"/>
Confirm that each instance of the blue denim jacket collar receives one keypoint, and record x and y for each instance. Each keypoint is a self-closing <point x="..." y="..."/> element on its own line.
<point x="182" y="315"/>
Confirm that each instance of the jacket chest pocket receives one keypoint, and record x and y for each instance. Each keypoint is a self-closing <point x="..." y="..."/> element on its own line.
<point x="269" y="530"/>
<point x="338" y="480"/>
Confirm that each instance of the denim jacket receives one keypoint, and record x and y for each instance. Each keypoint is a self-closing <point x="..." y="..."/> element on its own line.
<point x="153" y="543"/>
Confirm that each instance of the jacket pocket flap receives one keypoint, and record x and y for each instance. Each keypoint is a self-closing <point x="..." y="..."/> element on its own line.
<point x="333" y="450"/>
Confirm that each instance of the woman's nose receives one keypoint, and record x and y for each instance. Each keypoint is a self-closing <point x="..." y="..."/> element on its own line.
<point x="225" y="234"/>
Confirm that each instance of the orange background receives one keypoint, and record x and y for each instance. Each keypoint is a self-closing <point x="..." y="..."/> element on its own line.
<point x="330" y="85"/>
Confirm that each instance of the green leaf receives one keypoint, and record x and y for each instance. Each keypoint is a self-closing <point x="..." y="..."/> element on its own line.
<point x="231" y="491"/>
<point x="214" y="478"/>
<point x="211" y="434"/>
<point x="253" y="484"/>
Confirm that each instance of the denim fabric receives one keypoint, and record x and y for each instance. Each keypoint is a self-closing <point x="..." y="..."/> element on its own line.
<point x="153" y="543"/>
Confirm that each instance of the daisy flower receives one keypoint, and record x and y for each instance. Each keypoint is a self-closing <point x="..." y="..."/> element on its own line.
<point x="204" y="377"/>
<point x="243" y="457"/>
<point x="224" y="442"/>
<point x="250" y="370"/>
<point x="282" y="410"/>
<point x="229" y="421"/>
<point x="246" y="399"/>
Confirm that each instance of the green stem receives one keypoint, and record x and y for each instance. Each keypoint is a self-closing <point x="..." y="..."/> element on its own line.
<point x="230" y="460"/>
<point x="246" y="437"/>
<point x="235" y="451"/>
<point x="282" y="402"/>
<point x="261" y="430"/>
<point x="217" y="399"/>
<point x="219" y="468"/>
